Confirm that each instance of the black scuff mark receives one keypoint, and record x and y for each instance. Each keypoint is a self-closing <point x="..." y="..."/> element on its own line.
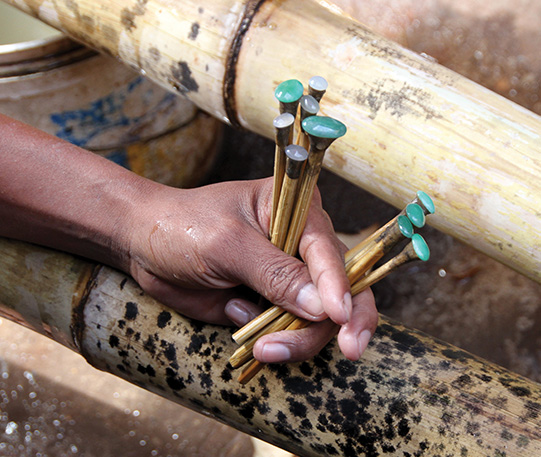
<point x="297" y="408"/>
<point x="150" y="345"/>
<point x="129" y="15"/>
<point x="163" y="319"/>
<point x="113" y="341"/>
<point x="173" y="380"/>
<point x="148" y="370"/>
<point x="194" y="31"/>
<point x="155" y="54"/>
<point x="183" y="81"/>
<point x="196" y="343"/>
<point x="131" y="311"/>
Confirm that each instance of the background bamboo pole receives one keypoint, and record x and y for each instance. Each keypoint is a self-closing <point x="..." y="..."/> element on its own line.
<point x="409" y="393"/>
<point x="412" y="124"/>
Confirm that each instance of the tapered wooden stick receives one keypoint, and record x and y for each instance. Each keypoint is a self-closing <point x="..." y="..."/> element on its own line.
<point x="367" y="258"/>
<point x="296" y="158"/>
<point x="244" y="353"/>
<point x="251" y="328"/>
<point x="283" y="126"/>
<point x="317" y="86"/>
<point x="322" y="132"/>
<point x="422" y="199"/>
<point x="309" y="107"/>
<point x="416" y="249"/>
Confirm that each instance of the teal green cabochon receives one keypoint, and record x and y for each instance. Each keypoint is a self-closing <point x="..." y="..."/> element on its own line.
<point x="427" y="202"/>
<point x="289" y="91"/>
<point x="416" y="215"/>
<point x="420" y="246"/>
<point x="405" y="226"/>
<point x="324" y="127"/>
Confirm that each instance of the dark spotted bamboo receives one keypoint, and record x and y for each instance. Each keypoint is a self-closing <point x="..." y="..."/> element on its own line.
<point x="412" y="123"/>
<point x="409" y="395"/>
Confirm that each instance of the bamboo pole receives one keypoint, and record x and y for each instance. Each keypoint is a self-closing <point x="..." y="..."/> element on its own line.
<point x="410" y="394"/>
<point x="412" y="123"/>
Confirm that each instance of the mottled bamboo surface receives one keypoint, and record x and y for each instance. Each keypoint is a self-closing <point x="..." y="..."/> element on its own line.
<point x="412" y="123"/>
<point x="410" y="393"/>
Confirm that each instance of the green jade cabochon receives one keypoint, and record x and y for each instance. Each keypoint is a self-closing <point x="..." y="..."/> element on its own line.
<point x="416" y="215"/>
<point x="324" y="127"/>
<point x="426" y="201"/>
<point x="405" y="226"/>
<point x="289" y="91"/>
<point x="420" y="247"/>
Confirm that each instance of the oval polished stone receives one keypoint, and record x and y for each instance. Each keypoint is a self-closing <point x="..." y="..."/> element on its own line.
<point x="318" y="83"/>
<point x="309" y="104"/>
<point x="426" y="201"/>
<point x="284" y="120"/>
<point x="324" y="127"/>
<point x="420" y="246"/>
<point x="405" y="226"/>
<point x="289" y="91"/>
<point x="416" y="215"/>
<point x="296" y="153"/>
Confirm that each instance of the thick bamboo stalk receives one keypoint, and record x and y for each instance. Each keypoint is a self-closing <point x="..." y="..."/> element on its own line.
<point x="412" y="123"/>
<point x="410" y="394"/>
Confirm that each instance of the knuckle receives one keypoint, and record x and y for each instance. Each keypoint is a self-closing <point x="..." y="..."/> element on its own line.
<point x="281" y="278"/>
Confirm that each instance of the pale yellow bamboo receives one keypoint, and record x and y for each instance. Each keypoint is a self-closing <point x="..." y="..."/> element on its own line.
<point x="412" y="123"/>
<point x="435" y="396"/>
<point x="244" y="353"/>
<point x="261" y="321"/>
<point x="258" y="323"/>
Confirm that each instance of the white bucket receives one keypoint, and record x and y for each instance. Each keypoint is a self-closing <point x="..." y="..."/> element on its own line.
<point x="94" y="101"/>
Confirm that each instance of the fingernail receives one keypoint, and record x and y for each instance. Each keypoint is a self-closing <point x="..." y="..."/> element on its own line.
<point x="347" y="305"/>
<point x="308" y="299"/>
<point x="236" y="313"/>
<point x="364" y="339"/>
<point x="275" y="352"/>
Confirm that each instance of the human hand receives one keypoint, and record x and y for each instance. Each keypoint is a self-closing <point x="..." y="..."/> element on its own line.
<point x="186" y="248"/>
<point x="190" y="248"/>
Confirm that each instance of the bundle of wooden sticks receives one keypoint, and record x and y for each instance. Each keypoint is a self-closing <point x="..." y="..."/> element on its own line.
<point x="296" y="169"/>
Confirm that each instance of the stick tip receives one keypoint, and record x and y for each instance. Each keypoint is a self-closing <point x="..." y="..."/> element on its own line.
<point x="421" y="247"/>
<point x="283" y="120"/>
<point x="416" y="215"/>
<point x="405" y="226"/>
<point x="296" y="153"/>
<point x="426" y="201"/>
<point x="310" y="105"/>
<point x="318" y="83"/>
<point x="324" y="127"/>
<point x="289" y="91"/>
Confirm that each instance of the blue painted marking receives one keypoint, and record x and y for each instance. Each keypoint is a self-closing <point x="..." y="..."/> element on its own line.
<point x="82" y="125"/>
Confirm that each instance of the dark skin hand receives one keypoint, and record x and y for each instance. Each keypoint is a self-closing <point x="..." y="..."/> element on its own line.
<point x="188" y="248"/>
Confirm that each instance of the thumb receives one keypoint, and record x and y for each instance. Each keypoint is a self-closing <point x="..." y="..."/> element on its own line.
<point x="282" y="279"/>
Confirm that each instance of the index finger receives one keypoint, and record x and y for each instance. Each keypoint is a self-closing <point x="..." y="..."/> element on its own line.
<point x="323" y="253"/>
